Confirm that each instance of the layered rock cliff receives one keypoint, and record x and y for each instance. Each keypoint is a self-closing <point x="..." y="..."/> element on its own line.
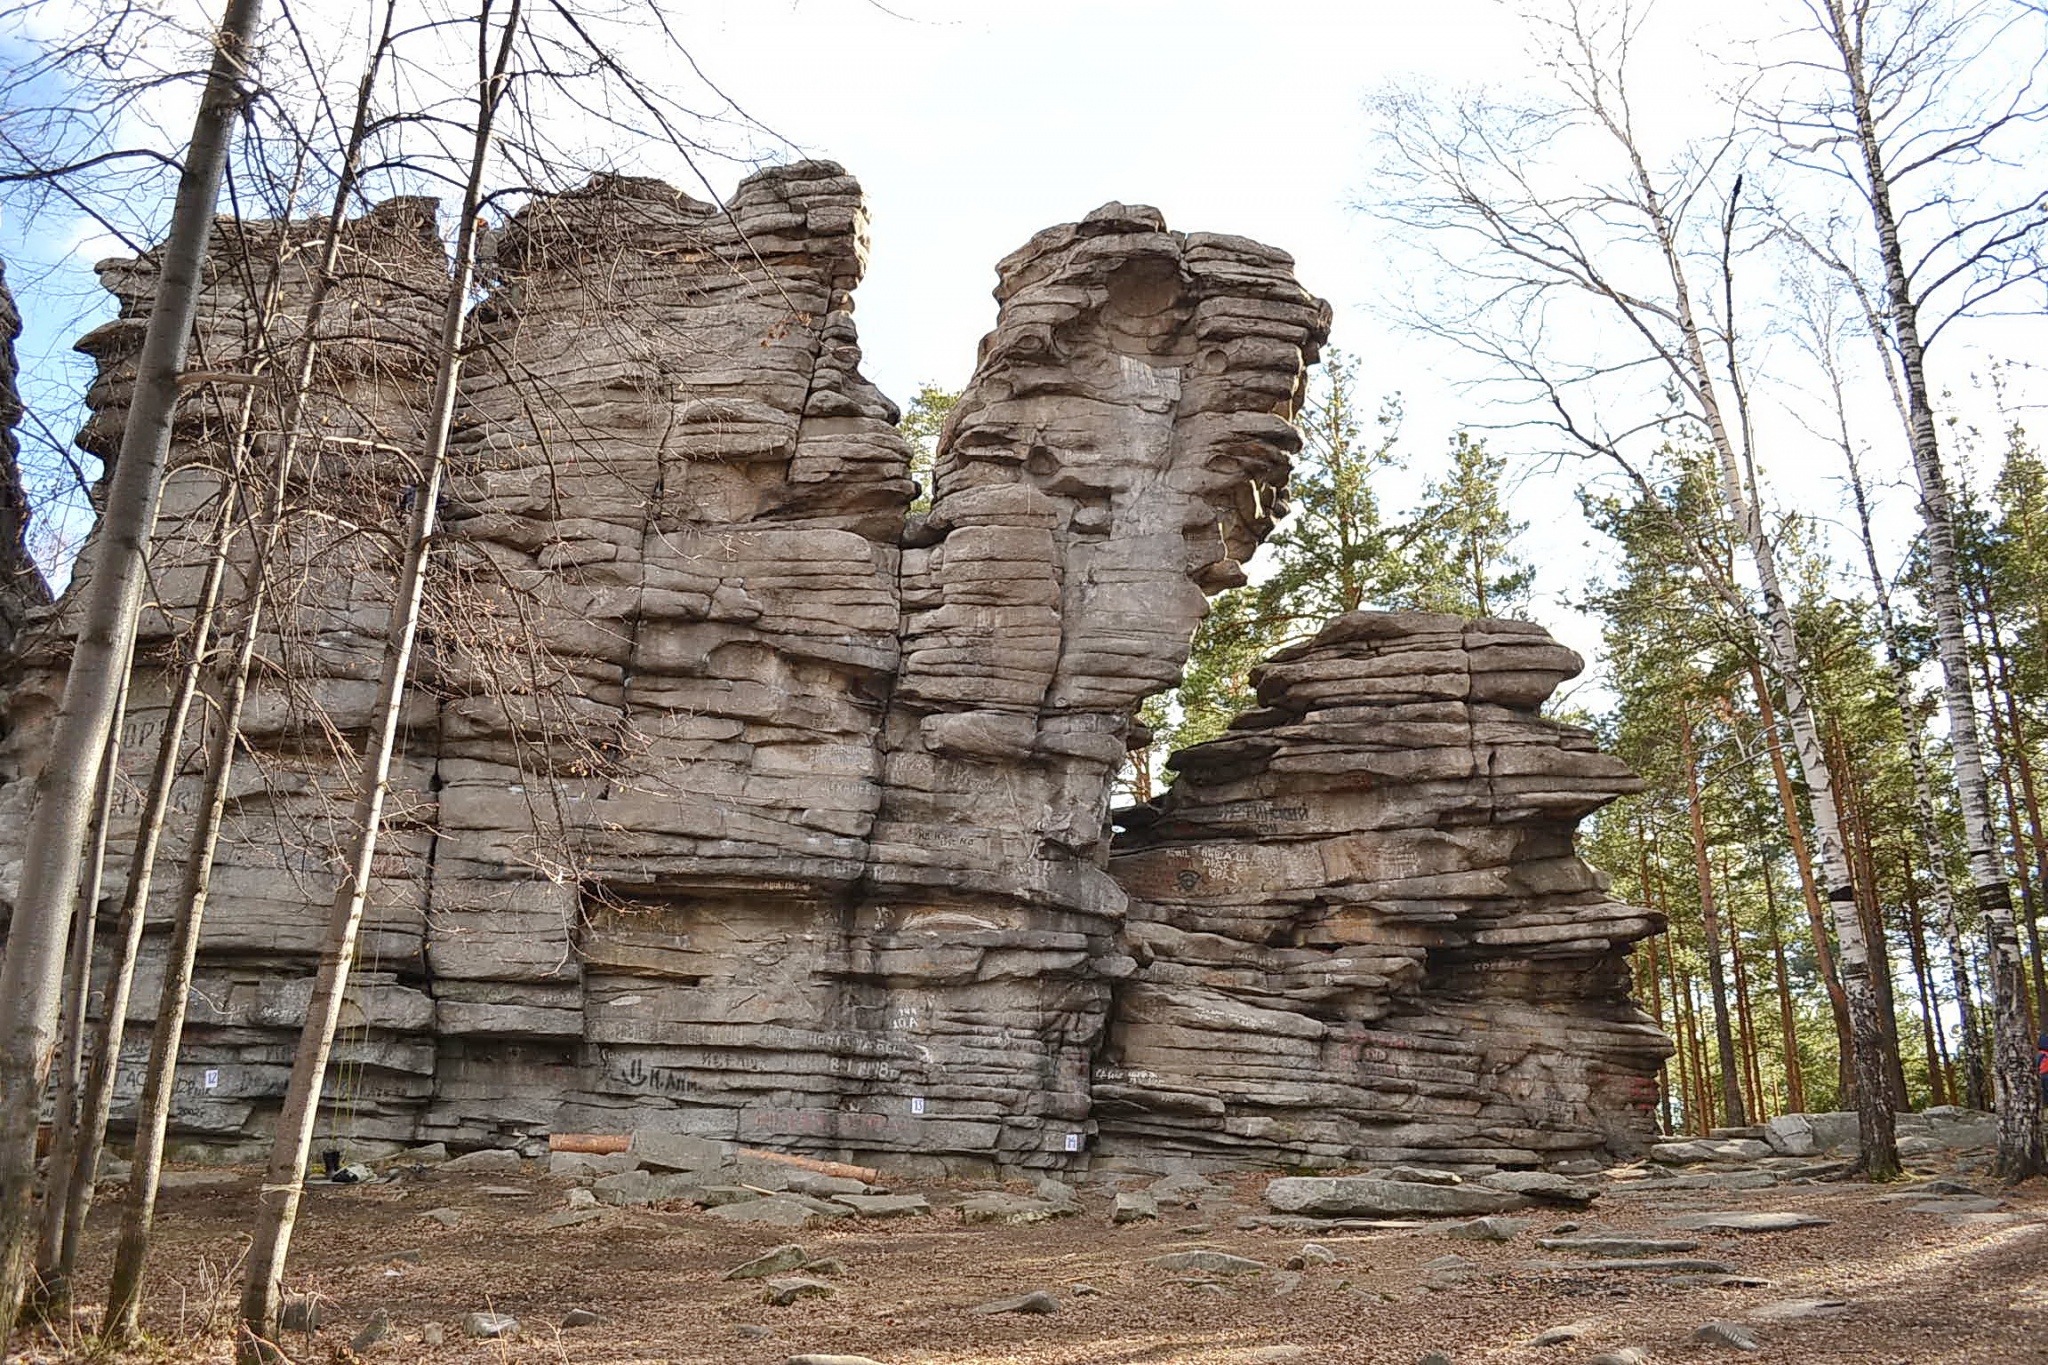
<point x="1361" y="928"/>
<point x="739" y="800"/>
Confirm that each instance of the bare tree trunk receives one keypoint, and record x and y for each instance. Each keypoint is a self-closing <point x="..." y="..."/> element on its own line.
<point x="31" y="981"/>
<point x="1976" y="1090"/>
<point x="278" y="1203"/>
<point x="2018" y="1103"/>
<point x="2010" y="750"/>
<point x="1745" y="1022"/>
<point x="1930" y="1022"/>
<point x="1732" y="1111"/>
<point x="98" y="1098"/>
<point x="1788" y="1022"/>
<point x="77" y="987"/>
<point x="153" y="1112"/>
<point x="1795" y="832"/>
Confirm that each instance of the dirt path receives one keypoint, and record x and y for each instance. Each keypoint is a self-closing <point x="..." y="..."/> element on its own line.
<point x="1924" y="1288"/>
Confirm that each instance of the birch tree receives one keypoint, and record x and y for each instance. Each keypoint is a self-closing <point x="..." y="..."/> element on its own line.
<point x="1646" y="252"/>
<point x="278" y="1201"/>
<point x="31" y="980"/>
<point x="1895" y="102"/>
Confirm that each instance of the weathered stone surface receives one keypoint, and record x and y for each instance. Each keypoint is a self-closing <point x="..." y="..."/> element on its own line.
<point x="1202" y="1262"/>
<point x="788" y="1256"/>
<point x="22" y="589"/>
<point x="1134" y="1206"/>
<point x="1011" y="1208"/>
<point x="1489" y="1229"/>
<point x="1365" y="891"/>
<point x="1365" y="1197"/>
<point x="1542" y="1187"/>
<point x="1737" y="1220"/>
<point x="1037" y="1302"/>
<point x="782" y="1293"/>
<point x="885" y="1205"/>
<point x="742" y="805"/>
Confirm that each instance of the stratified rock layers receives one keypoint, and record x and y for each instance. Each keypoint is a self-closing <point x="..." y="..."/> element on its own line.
<point x="1362" y="932"/>
<point x="739" y="800"/>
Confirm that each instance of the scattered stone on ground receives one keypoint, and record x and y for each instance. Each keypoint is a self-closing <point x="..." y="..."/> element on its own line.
<point x="1011" y="1209"/>
<point x="447" y="1218"/>
<point x="1206" y="1262"/>
<point x="1364" y="1196"/>
<point x="581" y="1317"/>
<point x="1732" y="1336"/>
<point x="1558" y="1336"/>
<point x="1134" y="1206"/>
<point x="1776" y="1220"/>
<point x="1037" y="1302"/>
<point x="788" y="1256"/>
<point x="885" y="1205"/>
<point x="1542" y="1187"/>
<point x="490" y="1326"/>
<point x="784" y="1292"/>
<point x="373" y="1332"/>
<point x="1489" y="1229"/>
<point x="1798" y="1310"/>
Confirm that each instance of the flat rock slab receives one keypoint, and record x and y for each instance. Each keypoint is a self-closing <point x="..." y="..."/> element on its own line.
<point x="1543" y="1187"/>
<point x="1208" y="1263"/>
<point x="1706" y="1149"/>
<point x="788" y="1256"/>
<point x="1798" y="1310"/>
<point x="1013" y="1209"/>
<point x="778" y="1212"/>
<point x="1365" y="1197"/>
<point x="784" y="1292"/>
<point x="1038" y="1302"/>
<point x="1980" y="1204"/>
<point x="1739" y="1221"/>
<point x="1725" y="1180"/>
<point x="570" y="1218"/>
<point x="1490" y="1229"/>
<point x="830" y="1360"/>
<point x="1295" y="1222"/>
<point x="1558" y="1336"/>
<point x="885" y="1205"/>
<point x="1685" y="1264"/>
<point x="679" y="1152"/>
<point x="1617" y="1247"/>
<point x="1729" y="1336"/>
<point x="490" y="1326"/>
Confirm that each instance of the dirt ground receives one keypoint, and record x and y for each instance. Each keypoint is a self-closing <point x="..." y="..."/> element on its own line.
<point x="1923" y="1288"/>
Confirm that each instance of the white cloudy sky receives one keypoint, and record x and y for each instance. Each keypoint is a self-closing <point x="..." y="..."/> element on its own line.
<point x="973" y="123"/>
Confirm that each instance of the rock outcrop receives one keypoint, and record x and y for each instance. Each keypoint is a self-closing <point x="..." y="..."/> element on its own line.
<point x="22" y="589"/>
<point x="1362" y="932"/>
<point x="738" y="800"/>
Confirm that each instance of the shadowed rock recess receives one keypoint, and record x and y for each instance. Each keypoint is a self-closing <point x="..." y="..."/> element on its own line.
<point x="740" y="800"/>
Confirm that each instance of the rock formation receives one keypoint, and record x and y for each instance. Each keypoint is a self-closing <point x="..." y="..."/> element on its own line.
<point x="737" y="800"/>
<point x="1361" y="928"/>
<point x="22" y="589"/>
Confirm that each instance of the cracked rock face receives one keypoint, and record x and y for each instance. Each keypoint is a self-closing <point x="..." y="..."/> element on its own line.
<point x="738" y="800"/>
<point x="22" y="589"/>
<point x="1362" y="932"/>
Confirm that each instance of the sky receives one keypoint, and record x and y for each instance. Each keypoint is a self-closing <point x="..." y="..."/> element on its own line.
<point x="974" y="123"/>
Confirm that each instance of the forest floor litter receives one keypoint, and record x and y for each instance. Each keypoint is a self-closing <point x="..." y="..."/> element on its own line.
<point x="464" y="1266"/>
